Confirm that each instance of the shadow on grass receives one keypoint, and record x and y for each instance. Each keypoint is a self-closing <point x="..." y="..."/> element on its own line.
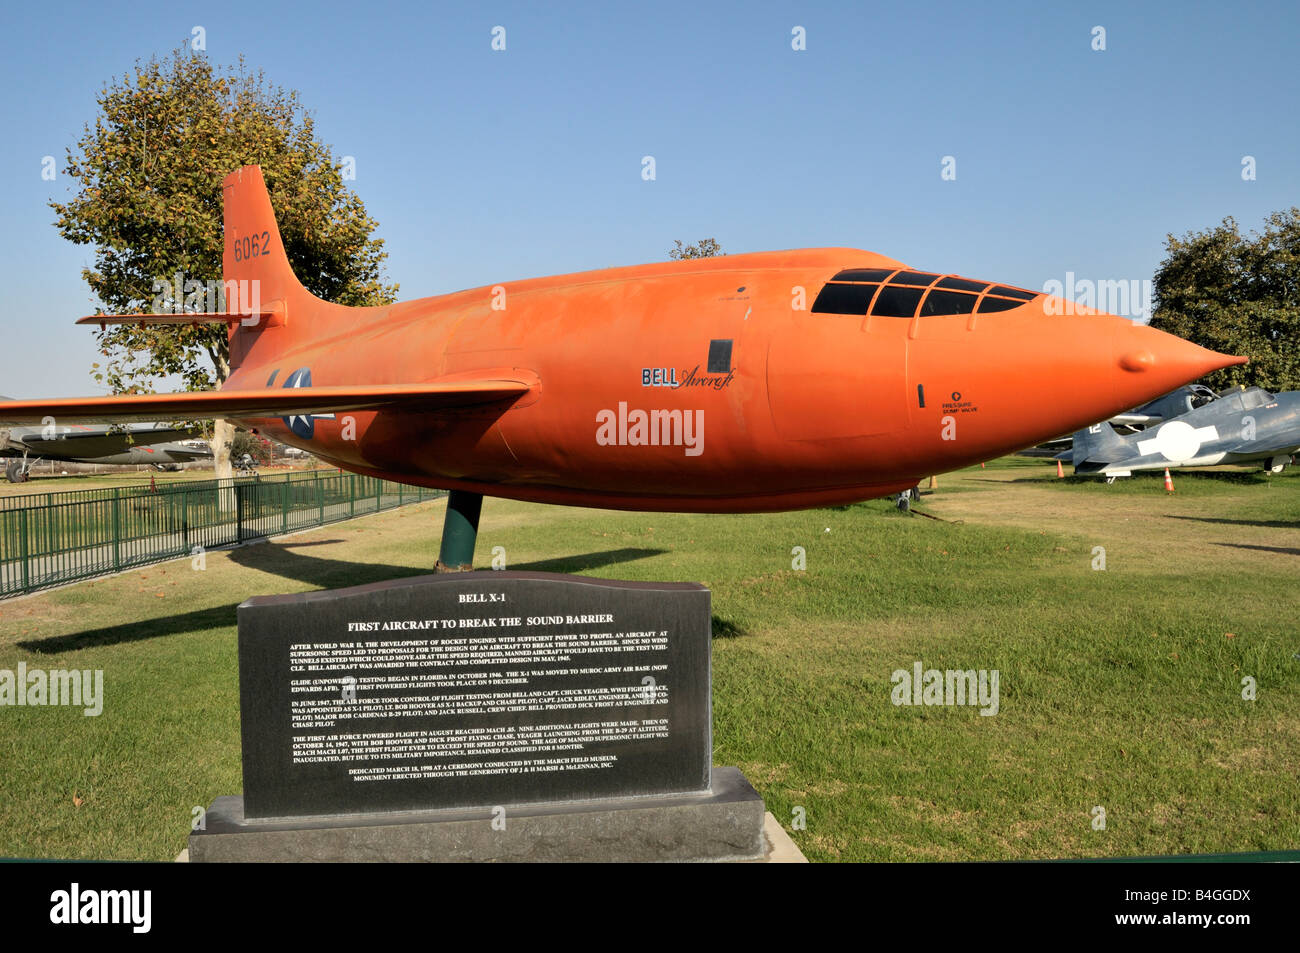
<point x="318" y="572"/>
<point x="1240" y="477"/>
<point x="1266" y="524"/>
<point x="280" y="560"/>
<point x="726" y="629"/>
<point x="577" y="564"/>
<point x="1140" y="477"/>
<point x="1285" y="551"/>
<point x="215" y="618"/>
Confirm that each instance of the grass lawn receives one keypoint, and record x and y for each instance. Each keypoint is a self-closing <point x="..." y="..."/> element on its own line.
<point x="1119" y="689"/>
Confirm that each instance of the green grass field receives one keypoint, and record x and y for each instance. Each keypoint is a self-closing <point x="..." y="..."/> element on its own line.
<point x="1119" y="689"/>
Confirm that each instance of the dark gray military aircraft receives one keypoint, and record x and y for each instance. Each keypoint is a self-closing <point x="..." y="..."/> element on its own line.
<point x="156" y="445"/>
<point x="1193" y="427"/>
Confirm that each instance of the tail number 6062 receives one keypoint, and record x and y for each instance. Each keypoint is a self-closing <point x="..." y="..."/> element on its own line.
<point x="250" y="246"/>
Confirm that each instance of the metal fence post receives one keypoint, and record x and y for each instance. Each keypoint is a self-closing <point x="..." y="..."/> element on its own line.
<point x="284" y="505"/>
<point x="352" y="494"/>
<point x="320" y="499"/>
<point x="117" y="531"/>
<point x="22" y="535"/>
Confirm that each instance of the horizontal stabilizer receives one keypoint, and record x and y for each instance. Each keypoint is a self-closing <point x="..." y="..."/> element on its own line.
<point x="266" y="402"/>
<point x="272" y="315"/>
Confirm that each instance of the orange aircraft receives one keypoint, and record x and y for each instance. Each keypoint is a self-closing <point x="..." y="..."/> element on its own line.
<point x="742" y="383"/>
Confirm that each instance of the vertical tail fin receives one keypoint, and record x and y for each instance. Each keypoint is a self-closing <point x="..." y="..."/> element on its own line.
<point x="1100" y="444"/>
<point x="254" y="263"/>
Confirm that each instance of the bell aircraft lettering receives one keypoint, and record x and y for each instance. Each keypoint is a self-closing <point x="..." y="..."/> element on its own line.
<point x="805" y="407"/>
<point x="658" y="377"/>
<point x="668" y="377"/>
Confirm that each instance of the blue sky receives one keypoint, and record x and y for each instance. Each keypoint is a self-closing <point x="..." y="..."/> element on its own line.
<point x="485" y="166"/>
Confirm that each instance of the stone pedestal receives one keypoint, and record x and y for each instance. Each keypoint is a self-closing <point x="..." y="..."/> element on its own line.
<point x="481" y="716"/>
<point x="724" y="823"/>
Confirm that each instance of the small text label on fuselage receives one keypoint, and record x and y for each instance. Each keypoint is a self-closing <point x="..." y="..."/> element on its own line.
<point x="668" y="377"/>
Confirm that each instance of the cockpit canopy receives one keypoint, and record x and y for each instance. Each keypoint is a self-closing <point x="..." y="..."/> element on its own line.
<point x="904" y="294"/>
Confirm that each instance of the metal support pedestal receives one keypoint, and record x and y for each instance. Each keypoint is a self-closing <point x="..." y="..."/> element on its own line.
<point x="459" y="532"/>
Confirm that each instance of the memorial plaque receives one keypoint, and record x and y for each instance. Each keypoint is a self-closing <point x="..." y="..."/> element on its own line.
<point x="471" y="690"/>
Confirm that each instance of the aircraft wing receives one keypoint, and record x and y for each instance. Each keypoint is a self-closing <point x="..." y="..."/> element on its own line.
<point x="269" y="402"/>
<point x="94" y="442"/>
<point x="1135" y="419"/>
<point x="180" y="453"/>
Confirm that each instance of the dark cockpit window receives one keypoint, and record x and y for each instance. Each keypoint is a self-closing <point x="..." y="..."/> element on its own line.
<point x="997" y="304"/>
<point x="1020" y="293"/>
<point x="896" y="302"/>
<point x="913" y="278"/>
<point x="962" y="284"/>
<point x="864" y="274"/>
<point x="852" y="291"/>
<point x="948" y="302"/>
<point x="844" y="299"/>
<point x="1250" y="399"/>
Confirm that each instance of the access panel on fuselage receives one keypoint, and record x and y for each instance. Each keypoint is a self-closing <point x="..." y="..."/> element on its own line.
<point x="829" y="378"/>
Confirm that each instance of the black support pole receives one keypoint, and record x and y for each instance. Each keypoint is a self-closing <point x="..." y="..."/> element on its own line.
<point x="459" y="532"/>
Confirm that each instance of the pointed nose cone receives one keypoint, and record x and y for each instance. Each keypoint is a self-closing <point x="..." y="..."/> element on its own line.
<point x="1150" y="363"/>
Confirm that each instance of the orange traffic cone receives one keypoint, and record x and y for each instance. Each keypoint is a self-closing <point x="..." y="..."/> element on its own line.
<point x="1169" y="482"/>
<point x="1060" y="473"/>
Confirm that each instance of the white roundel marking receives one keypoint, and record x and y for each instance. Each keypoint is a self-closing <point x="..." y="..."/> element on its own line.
<point x="1177" y="440"/>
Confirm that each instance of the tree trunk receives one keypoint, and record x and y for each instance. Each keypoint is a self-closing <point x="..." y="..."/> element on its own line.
<point x="223" y="432"/>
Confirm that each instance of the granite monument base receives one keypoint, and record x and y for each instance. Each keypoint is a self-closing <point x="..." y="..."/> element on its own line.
<point x="724" y="823"/>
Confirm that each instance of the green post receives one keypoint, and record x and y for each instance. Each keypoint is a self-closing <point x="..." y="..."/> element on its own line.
<point x="23" y="536"/>
<point x="284" y="505"/>
<point x="117" y="532"/>
<point x="320" y="499"/>
<point x="352" y="494"/>
<point x="185" y="518"/>
<point x="459" y="532"/>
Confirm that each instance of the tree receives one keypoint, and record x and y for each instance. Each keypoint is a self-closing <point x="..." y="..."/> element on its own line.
<point x="149" y="200"/>
<point x="255" y="445"/>
<point x="1239" y="295"/>
<point x="707" y="248"/>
